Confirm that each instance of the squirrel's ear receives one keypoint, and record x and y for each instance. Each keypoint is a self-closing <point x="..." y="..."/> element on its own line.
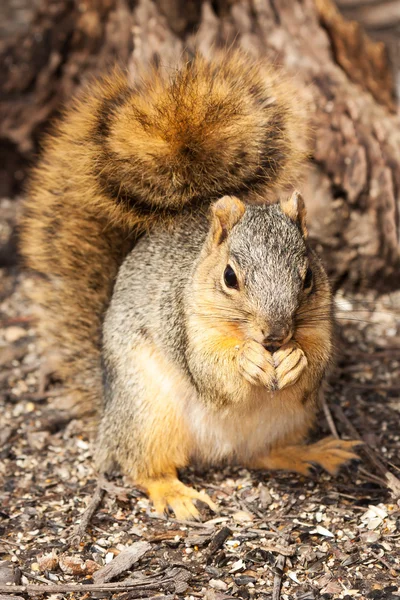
<point x="295" y="209"/>
<point x="226" y="212"/>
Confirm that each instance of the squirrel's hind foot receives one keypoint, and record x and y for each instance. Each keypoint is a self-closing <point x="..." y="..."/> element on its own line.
<point x="170" y="493"/>
<point x="329" y="453"/>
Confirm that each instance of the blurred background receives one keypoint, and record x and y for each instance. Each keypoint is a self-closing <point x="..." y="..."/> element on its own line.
<point x="381" y="20"/>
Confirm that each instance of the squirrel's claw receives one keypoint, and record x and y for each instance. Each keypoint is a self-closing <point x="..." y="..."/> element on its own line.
<point x="170" y="493"/>
<point x="329" y="453"/>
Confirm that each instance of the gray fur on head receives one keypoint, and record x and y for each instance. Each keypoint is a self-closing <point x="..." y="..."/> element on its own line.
<point x="270" y="251"/>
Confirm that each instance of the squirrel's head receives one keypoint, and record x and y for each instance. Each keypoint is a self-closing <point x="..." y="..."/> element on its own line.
<point x="258" y="273"/>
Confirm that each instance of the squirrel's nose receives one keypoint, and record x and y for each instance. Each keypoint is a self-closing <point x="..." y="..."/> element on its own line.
<point x="272" y="345"/>
<point x="276" y="338"/>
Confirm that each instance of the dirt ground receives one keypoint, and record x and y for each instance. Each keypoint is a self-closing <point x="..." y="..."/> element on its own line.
<point x="276" y="536"/>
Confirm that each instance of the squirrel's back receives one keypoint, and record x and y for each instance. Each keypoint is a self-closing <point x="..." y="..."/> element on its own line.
<point x="127" y="155"/>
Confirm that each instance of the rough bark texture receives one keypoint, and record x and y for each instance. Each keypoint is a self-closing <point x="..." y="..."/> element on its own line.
<point x="381" y="20"/>
<point x="353" y="185"/>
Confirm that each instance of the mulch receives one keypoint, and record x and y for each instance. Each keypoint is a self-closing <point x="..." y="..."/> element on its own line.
<point x="276" y="536"/>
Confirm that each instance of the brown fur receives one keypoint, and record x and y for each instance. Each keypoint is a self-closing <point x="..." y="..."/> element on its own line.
<point x="125" y="156"/>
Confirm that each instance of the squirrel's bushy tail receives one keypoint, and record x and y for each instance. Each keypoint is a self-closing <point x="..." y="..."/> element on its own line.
<point x="126" y="155"/>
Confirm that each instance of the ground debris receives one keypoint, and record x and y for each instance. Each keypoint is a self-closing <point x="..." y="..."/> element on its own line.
<point x="338" y="537"/>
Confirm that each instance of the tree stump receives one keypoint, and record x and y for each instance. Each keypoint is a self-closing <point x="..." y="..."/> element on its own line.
<point x="352" y="187"/>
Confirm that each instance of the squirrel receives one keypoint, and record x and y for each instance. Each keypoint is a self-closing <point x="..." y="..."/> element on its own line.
<point x="215" y="343"/>
<point x="217" y="326"/>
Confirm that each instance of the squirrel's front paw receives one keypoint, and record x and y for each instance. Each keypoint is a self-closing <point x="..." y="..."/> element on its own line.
<point x="256" y="365"/>
<point x="290" y="362"/>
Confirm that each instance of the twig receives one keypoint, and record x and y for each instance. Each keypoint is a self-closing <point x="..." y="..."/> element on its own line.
<point x="390" y="568"/>
<point x="392" y="482"/>
<point x="69" y="588"/>
<point x="276" y="548"/>
<point x="32" y="576"/>
<point x="328" y="414"/>
<point x="103" y="486"/>
<point x="371" y="477"/>
<point x="143" y="594"/>
<point x="279" y="566"/>
<point x="17" y="321"/>
<point x="4" y="541"/>
<point x="79" y="531"/>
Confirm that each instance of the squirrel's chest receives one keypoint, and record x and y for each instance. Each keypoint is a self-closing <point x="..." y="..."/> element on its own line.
<point x="237" y="434"/>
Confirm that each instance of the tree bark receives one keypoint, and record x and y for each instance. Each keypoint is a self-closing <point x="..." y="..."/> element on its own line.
<point x="352" y="188"/>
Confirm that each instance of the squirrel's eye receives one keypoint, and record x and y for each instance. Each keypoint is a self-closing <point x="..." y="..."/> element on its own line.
<point x="308" y="279"/>
<point x="230" y="278"/>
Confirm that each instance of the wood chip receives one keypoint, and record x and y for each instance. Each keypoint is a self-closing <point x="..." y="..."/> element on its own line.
<point x="218" y="540"/>
<point x="122" y="562"/>
<point x="9" y="573"/>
